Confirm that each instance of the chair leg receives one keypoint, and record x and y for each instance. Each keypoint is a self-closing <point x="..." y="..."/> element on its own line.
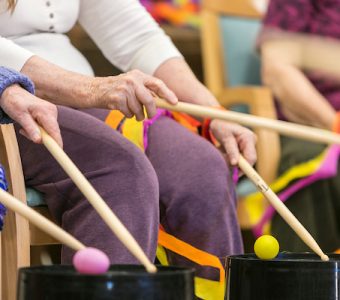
<point x="15" y="253"/>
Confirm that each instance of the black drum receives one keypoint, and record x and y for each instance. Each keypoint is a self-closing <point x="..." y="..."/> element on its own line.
<point x="121" y="282"/>
<point x="290" y="276"/>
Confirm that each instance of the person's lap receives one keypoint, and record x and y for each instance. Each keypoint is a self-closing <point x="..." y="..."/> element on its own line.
<point x="316" y="206"/>
<point x="115" y="167"/>
<point x="187" y="174"/>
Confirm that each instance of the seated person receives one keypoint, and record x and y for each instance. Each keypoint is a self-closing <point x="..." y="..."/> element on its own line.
<point x="309" y="98"/>
<point x="180" y="180"/>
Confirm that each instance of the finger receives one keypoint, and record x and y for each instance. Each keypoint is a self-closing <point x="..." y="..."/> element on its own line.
<point x="122" y="107"/>
<point x="50" y="124"/>
<point x="145" y="97"/>
<point x="247" y="146"/>
<point x="231" y="149"/>
<point x="24" y="133"/>
<point x="30" y="128"/>
<point x="158" y="86"/>
<point x="136" y="107"/>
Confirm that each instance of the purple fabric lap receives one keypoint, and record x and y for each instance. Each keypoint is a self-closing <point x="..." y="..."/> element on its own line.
<point x="328" y="169"/>
<point x="181" y="180"/>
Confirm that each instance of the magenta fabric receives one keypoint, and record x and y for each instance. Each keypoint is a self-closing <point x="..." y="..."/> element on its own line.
<point x="319" y="17"/>
<point x="148" y="122"/>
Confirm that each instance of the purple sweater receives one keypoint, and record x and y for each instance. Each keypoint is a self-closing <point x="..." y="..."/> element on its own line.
<point x="319" y="17"/>
<point x="7" y="78"/>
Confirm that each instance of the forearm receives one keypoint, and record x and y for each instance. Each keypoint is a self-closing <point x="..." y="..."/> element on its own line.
<point x="180" y="79"/>
<point x="58" y="85"/>
<point x="297" y="96"/>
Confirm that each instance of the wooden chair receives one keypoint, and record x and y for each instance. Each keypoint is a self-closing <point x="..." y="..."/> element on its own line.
<point x="232" y="73"/>
<point x="18" y="236"/>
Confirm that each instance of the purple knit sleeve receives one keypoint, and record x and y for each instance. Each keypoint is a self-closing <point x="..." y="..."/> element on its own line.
<point x="9" y="77"/>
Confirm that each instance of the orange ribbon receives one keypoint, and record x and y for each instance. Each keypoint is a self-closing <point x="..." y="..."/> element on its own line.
<point x="198" y="256"/>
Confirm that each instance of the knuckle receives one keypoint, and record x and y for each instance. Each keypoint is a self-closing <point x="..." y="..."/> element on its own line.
<point x="52" y="108"/>
<point x="159" y="82"/>
<point x="123" y="88"/>
<point x="129" y="80"/>
<point x="135" y="72"/>
<point x="115" y="98"/>
<point x="128" y="114"/>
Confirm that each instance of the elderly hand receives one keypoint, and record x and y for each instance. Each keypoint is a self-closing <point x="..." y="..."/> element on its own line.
<point x="30" y="111"/>
<point x="235" y="139"/>
<point x="130" y="93"/>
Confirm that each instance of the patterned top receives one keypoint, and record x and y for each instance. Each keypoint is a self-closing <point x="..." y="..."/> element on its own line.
<point x="320" y="17"/>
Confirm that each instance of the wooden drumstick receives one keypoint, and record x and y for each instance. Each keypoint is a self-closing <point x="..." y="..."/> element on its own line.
<point x="285" y="128"/>
<point x="97" y="202"/>
<point x="282" y="209"/>
<point x="40" y="221"/>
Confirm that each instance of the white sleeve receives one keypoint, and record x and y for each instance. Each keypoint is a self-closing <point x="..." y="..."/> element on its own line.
<point x="11" y="55"/>
<point x="127" y="35"/>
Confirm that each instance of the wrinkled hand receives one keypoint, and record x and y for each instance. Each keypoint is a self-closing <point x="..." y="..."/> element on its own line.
<point x="30" y="111"/>
<point x="235" y="139"/>
<point x="130" y="93"/>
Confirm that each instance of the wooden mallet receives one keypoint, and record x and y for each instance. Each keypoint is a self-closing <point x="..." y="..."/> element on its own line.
<point x="97" y="202"/>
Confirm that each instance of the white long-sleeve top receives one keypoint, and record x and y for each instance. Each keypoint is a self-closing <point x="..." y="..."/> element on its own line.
<point x="122" y="29"/>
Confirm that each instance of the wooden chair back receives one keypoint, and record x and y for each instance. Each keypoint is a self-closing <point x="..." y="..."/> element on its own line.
<point x="217" y="74"/>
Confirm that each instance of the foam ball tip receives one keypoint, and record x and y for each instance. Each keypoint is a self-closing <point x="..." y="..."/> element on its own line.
<point x="266" y="247"/>
<point x="91" y="261"/>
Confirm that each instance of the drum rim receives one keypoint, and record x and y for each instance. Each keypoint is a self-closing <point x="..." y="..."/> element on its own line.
<point x="288" y="257"/>
<point x="60" y="270"/>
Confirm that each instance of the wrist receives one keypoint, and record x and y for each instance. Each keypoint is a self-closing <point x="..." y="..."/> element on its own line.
<point x="9" y="91"/>
<point x="8" y="78"/>
<point x="91" y="87"/>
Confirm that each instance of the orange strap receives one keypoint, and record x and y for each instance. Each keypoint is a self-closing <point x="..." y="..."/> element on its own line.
<point x="336" y="124"/>
<point x="198" y="256"/>
<point x="114" y="118"/>
<point x="187" y="121"/>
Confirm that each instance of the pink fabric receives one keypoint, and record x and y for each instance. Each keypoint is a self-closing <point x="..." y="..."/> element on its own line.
<point x="235" y="175"/>
<point x="148" y="122"/>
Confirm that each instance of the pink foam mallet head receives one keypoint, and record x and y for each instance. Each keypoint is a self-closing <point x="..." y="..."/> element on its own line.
<point x="91" y="261"/>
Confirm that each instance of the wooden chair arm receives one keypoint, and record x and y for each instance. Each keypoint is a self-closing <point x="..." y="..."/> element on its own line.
<point x="15" y="235"/>
<point x="260" y="103"/>
<point x="11" y="161"/>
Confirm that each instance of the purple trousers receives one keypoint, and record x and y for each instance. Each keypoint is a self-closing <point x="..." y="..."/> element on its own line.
<point x="181" y="181"/>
